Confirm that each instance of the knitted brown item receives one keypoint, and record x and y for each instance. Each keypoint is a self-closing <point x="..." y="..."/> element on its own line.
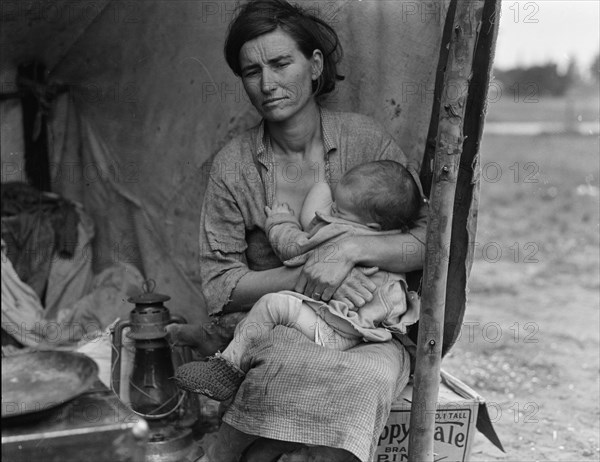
<point x="216" y="378"/>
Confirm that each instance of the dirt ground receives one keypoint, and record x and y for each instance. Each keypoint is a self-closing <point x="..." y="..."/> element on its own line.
<point x="529" y="343"/>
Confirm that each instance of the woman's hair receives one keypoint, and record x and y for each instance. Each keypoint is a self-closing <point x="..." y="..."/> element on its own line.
<point x="384" y="192"/>
<point x="259" y="17"/>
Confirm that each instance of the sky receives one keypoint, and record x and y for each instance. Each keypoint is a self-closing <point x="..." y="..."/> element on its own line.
<point x="535" y="32"/>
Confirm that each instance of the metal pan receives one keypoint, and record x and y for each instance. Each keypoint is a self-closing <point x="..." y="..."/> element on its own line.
<point x="40" y="380"/>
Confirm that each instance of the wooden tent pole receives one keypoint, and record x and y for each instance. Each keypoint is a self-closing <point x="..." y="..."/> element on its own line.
<point x="449" y="144"/>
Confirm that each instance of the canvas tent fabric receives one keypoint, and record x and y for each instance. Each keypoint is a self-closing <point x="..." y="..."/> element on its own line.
<point x="141" y="100"/>
<point x="146" y="100"/>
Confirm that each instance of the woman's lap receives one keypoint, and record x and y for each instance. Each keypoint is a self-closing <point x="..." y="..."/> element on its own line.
<point x="300" y="392"/>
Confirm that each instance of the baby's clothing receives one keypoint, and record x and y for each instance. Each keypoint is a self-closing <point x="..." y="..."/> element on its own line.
<point x="392" y="309"/>
<point x="335" y="324"/>
<point x="284" y="309"/>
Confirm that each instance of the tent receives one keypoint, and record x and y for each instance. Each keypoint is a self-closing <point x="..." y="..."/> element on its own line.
<point x="137" y="98"/>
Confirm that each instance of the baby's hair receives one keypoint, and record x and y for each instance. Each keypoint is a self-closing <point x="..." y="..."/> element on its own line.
<point x="384" y="192"/>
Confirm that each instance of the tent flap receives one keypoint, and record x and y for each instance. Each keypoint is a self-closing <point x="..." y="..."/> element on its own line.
<point x="155" y="101"/>
<point x="151" y="100"/>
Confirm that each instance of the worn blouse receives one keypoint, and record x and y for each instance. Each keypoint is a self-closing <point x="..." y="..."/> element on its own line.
<point x="241" y="182"/>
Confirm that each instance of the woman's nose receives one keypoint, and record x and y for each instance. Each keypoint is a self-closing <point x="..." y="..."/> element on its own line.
<point x="267" y="82"/>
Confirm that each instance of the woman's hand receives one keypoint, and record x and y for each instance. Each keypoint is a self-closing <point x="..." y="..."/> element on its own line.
<point x="323" y="272"/>
<point x="357" y="289"/>
<point x="204" y="338"/>
<point x="324" y="277"/>
<point x="188" y="336"/>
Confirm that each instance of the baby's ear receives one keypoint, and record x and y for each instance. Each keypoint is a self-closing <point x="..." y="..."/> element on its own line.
<point x="375" y="226"/>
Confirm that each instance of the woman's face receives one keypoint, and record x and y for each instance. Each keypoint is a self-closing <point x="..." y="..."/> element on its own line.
<point x="277" y="76"/>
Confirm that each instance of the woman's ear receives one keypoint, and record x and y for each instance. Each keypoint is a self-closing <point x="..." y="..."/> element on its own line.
<point x="317" y="64"/>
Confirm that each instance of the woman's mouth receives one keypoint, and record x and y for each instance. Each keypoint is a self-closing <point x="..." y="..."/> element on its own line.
<point x="272" y="101"/>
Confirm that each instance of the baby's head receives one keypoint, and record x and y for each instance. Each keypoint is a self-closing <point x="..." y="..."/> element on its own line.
<point x="381" y="194"/>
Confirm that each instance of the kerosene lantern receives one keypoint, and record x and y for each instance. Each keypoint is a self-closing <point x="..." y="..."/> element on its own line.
<point x="153" y="395"/>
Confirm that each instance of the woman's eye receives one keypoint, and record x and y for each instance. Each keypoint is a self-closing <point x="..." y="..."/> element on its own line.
<point x="281" y="65"/>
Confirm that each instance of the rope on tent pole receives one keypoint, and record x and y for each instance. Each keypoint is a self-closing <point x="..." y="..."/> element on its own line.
<point x="466" y="19"/>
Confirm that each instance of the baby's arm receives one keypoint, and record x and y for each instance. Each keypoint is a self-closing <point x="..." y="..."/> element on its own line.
<point x="280" y="207"/>
<point x="284" y="231"/>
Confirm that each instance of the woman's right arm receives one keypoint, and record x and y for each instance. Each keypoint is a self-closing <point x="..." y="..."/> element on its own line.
<point x="228" y="284"/>
<point x="255" y="284"/>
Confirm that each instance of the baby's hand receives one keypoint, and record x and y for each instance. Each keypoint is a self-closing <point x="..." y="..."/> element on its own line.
<point x="279" y="207"/>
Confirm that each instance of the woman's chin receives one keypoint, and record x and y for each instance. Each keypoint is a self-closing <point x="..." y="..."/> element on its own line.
<point x="276" y="114"/>
<point x="281" y="114"/>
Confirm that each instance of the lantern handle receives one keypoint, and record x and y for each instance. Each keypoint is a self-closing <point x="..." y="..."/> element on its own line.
<point x="148" y="286"/>
<point x="116" y="344"/>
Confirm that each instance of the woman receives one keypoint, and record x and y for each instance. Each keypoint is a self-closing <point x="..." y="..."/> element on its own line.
<point x="287" y="61"/>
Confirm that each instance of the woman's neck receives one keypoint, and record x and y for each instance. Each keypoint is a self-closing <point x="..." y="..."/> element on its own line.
<point x="297" y="134"/>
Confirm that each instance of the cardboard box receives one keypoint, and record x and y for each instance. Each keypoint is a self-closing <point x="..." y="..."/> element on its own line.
<point x="455" y="422"/>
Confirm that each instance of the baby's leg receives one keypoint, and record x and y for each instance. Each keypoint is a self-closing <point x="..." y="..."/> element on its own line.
<point x="220" y="376"/>
<point x="270" y="311"/>
<point x="326" y="336"/>
<point x="287" y="310"/>
<point x="318" y="199"/>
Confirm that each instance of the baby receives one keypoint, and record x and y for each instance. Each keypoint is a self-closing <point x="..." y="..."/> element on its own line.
<point x="379" y="197"/>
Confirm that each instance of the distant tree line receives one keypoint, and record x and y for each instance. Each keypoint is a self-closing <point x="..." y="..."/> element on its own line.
<point x="547" y="78"/>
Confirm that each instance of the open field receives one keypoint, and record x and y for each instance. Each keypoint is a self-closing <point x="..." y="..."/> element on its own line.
<point x="530" y="340"/>
<point x="519" y="109"/>
<point x="522" y="104"/>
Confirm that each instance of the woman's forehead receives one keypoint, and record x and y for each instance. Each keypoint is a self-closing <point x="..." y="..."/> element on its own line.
<point x="268" y="47"/>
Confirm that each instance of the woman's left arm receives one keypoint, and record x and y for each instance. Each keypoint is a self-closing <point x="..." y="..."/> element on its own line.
<point x="398" y="253"/>
<point x="331" y="275"/>
<point x="328" y="274"/>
